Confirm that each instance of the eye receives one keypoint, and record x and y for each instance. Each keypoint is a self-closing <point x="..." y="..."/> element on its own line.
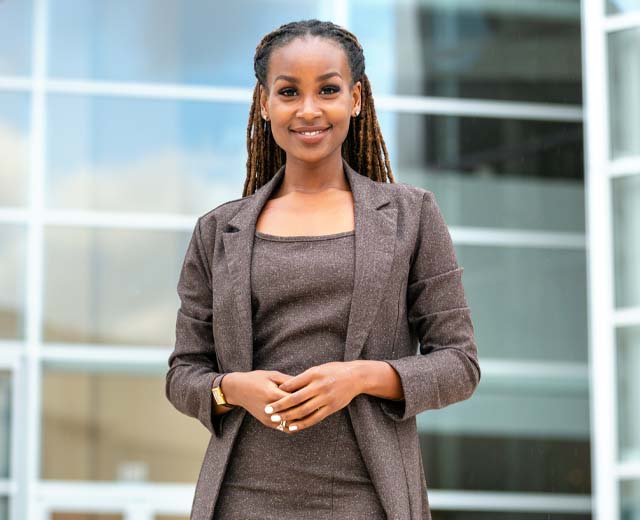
<point x="332" y="88"/>
<point x="290" y="92"/>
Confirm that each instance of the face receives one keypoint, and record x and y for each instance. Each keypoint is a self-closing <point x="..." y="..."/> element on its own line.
<point x="309" y="89"/>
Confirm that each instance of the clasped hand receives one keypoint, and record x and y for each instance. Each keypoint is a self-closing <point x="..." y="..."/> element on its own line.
<point x="314" y="394"/>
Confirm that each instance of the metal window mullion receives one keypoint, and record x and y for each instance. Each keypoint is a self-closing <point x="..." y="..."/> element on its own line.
<point x="603" y="414"/>
<point x="30" y="454"/>
<point x="427" y="105"/>
<point x="621" y="21"/>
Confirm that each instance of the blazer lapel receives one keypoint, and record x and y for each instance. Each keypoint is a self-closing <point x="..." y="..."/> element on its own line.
<point x="375" y="231"/>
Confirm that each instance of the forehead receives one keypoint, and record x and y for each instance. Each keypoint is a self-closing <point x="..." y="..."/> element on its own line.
<point x="306" y="58"/>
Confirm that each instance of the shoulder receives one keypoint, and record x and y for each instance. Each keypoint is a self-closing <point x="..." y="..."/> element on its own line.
<point x="222" y="213"/>
<point x="404" y="195"/>
<point x="208" y="226"/>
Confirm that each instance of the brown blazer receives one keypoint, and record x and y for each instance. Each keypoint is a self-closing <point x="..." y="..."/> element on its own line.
<point x="408" y="308"/>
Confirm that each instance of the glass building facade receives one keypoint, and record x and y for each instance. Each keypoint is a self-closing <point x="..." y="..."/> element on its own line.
<point x="121" y="122"/>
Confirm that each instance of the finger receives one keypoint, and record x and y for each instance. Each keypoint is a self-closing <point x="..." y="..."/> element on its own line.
<point x="309" y="420"/>
<point x="301" y="411"/>
<point x="278" y="377"/>
<point x="286" y="400"/>
<point x="297" y="382"/>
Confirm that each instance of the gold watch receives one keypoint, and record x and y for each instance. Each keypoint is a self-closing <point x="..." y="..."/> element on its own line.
<point x="216" y="390"/>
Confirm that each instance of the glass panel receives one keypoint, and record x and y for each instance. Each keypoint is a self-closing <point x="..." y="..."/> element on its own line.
<point x="629" y="500"/>
<point x="518" y="435"/>
<point x="478" y="515"/>
<point x="15" y="44"/>
<point x="624" y="85"/>
<point x="527" y="303"/>
<point x="112" y="286"/>
<point x="626" y="230"/>
<point x="85" y="516"/>
<point x="622" y="6"/>
<point x="12" y="280"/>
<point x="493" y="172"/>
<point x="183" y="42"/>
<point x="628" y="341"/>
<point x="5" y="425"/>
<point x="529" y="50"/>
<point x="145" y="155"/>
<point x="116" y="427"/>
<point x="14" y="143"/>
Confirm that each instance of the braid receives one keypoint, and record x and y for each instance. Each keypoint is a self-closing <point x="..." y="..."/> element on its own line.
<point x="364" y="148"/>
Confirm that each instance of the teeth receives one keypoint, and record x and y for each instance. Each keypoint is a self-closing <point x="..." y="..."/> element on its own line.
<point x="312" y="133"/>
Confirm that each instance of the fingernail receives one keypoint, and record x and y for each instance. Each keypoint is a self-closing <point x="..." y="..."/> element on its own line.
<point x="275" y="418"/>
<point x="293" y="427"/>
<point x="268" y="409"/>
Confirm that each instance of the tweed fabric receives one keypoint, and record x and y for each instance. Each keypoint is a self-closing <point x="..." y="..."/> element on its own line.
<point x="408" y="308"/>
<point x="301" y="295"/>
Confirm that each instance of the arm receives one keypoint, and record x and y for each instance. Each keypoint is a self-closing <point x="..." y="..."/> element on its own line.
<point x="193" y="363"/>
<point x="447" y="369"/>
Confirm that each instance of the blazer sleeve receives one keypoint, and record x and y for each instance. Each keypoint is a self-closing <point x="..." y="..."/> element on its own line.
<point x="446" y="369"/>
<point x="193" y="363"/>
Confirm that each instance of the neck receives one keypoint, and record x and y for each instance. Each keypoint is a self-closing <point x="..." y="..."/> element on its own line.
<point x="315" y="177"/>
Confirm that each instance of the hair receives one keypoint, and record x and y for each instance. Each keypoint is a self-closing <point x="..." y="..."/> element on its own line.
<point x="363" y="149"/>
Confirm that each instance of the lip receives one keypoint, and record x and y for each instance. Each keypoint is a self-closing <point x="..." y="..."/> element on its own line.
<point x="311" y="139"/>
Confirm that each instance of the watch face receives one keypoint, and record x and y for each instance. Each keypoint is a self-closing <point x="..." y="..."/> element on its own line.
<point x="217" y="395"/>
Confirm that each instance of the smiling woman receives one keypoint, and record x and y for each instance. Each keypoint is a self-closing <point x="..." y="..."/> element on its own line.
<point x="303" y="304"/>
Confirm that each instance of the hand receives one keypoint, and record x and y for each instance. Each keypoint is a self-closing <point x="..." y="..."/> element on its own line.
<point x="253" y="390"/>
<point x="317" y="393"/>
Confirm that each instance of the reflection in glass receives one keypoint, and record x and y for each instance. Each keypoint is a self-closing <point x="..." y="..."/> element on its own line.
<point x="112" y="286"/>
<point x="626" y="230"/>
<point x="629" y="499"/>
<point x="624" y="85"/>
<point x="524" y="51"/>
<point x="622" y="6"/>
<point x="493" y="172"/>
<point x="628" y="348"/>
<point x="528" y="303"/>
<point x="5" y="425"/>
<point x="202" y="42"/>
<point x="14" y="143"/>
<point x="13" y="245"/>
<point x="15" y="43"/>
<point x="148" y="155"/>
<point x="518" y="435"/>
<point x="116" y="427"/>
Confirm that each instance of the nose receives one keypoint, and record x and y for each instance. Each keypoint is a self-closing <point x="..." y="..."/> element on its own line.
<point x="308" y="109"/>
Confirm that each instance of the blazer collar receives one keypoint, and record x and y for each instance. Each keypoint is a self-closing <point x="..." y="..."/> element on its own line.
<point x="375" y="232"/>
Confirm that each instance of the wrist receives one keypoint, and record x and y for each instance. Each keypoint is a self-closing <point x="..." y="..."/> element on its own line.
<point x="360" y="369"/>
<point x="229" y="389"/>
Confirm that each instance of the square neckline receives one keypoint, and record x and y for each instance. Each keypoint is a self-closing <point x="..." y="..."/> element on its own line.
<point x="299" y="238"/>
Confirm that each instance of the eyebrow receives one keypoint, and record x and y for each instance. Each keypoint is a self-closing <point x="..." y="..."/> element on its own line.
<point x="319" y="78"/>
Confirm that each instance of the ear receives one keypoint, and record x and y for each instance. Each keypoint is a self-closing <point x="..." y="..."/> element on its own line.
<point x="263" y="103"/>
<point x="357" y="98"/>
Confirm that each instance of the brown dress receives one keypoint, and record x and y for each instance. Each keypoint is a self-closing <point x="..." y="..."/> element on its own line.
<point x="301" y="296"/>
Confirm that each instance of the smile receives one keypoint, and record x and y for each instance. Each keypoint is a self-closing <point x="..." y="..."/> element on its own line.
<point x="312" y="137"/>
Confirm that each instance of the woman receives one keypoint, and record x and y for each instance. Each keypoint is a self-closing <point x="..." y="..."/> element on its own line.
<point x="303" y="304"/>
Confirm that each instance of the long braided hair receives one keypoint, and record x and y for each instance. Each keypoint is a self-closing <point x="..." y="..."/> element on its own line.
<point x="364" y="148"/>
